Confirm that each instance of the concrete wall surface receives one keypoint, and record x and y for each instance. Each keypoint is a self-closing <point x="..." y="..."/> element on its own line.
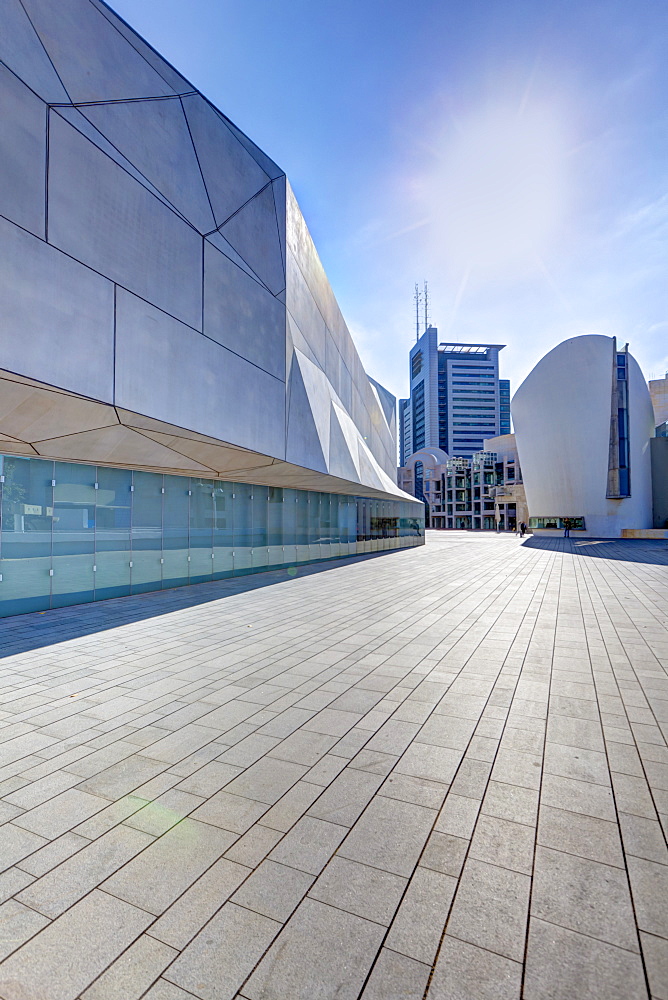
<point x="561" y="414"/>
<point x="163" y="304"/>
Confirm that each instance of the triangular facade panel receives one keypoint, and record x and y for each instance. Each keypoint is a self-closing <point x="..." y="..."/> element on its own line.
<point x="232" y="176"/>
<point x="92" y="59"/>
<point x="341" y="459"/>
<point x="220" y="243"/>
<point x="160" y="65"/>
<point x="304" y="446"/>
<point x="154" y="136"/>
<point x="319" y="393"/>
<point x="82" y="125"/>
<point x="22" y="51"/>
<point x="253" y="232"/>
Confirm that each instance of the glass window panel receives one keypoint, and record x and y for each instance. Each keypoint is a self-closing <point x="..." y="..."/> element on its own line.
<point x="175" y="516"/>
<point x="260" y="504"/>
<point x="289" y="506"/>
<point x="146" y="532"/>
<point x="223" y="530"/>
<point x="201" y="530"/>
<point x="275" y="537"/>
<point x="314" y="525"/>
<point x="113" y="517"/>
<point x="303" y="511"/>
<point x="74" y="495"/>
<point x="243" y="527"/>
<point x="26" y="519"/>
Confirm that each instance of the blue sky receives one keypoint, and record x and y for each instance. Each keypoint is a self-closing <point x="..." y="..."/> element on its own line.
<point x="514" y="153"/>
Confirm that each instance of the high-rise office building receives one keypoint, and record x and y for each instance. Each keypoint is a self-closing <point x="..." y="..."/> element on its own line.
<point x="456" y="397"/>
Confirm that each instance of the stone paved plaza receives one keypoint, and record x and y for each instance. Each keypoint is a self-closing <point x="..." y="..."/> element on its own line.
<point x="439" y="772"/>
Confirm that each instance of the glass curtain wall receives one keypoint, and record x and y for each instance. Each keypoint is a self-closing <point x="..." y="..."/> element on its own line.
<point x="72" y="533"/>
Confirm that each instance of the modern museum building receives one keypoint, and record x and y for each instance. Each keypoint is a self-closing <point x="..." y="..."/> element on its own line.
<point x="180" y="398"/>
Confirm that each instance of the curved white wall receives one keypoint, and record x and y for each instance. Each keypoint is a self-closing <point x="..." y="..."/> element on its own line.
<point x="561" y="414"/>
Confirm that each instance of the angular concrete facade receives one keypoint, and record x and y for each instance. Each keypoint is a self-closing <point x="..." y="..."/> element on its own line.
<point x="583" y="422"/>
<point x="163" y="301"/>
<point x="163" y="305"/>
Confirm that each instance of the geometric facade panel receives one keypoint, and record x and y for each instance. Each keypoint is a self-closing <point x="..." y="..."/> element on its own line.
<point x="21" y="48"/>
<point x="22" y="154"/>
<point x="109" y="222"/>
<point x="253" y="232"/>
<point x="242" y="315"/>
<point x="92" y="59"/>
<point x="154" y="137"/>
<point x="242" y="178"/>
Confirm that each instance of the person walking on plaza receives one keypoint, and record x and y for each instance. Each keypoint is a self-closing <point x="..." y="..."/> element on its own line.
<point x="523" y="529"/>
<point x="567" y="527"/>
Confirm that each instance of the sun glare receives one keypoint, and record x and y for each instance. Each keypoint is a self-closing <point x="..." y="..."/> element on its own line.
<point x="497" y="190"/>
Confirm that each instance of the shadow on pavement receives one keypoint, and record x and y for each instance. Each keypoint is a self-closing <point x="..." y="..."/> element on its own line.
<point x="640" y="550"/>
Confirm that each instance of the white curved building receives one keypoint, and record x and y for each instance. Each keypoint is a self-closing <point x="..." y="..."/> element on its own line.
<point x="583" y="421"/>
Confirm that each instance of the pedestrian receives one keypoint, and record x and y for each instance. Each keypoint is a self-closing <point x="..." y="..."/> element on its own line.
<point x="523" y="529"/>
<point x="567" y="527"/>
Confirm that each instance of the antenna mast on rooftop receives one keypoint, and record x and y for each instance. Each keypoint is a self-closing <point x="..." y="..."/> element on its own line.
<point x="418" y="299"/>
<point x="426" y="306"/>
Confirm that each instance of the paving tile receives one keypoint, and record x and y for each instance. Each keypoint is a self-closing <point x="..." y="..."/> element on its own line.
<point x="18" y="923"/>
<point x="309" y="845"/>
<point x="503" y="896"/>
<point x="655" y="953"/>
<point x="368" y="892"/>
<point x="132" y="972"/>
<point x="254" y="846"/>
<point x="578" y="796"/>
<point x="458" y="816"/>
<point x="53" y="854"/>
<point x="445" y="853"/>
<point x="374" y="761"/>
<point x="186" y="917"/>
<point x="649" y="885"/>
<point x="426" y="761"/>
<point x="463" y="972"/>
<point x="343" y="801"/>
<point x="230" y="812"/>
<point x="562" y="964"/>
<point x="16" y="844"/>
<point x="503" y="843"/>
<point x="170" y="865"/>
<point x="420" y="791"/>
<point x="291" y="806"/>
<point x="396" y="977"/>
<point x="322" y="952"/>
<point x="12" y="881"/>
<point x="267" y="780"/>
<point x="511" y="802"/>
<point x="332" y="722"/>
<point x="573" y="762"/>
<point x="303" y="747"/>
<point x="69" y="881"/>
<point x="642" y="838"/>
<point x="327" y="768"/>
<point x="166" y="991"/>
<point x="54" y="965"/>
<point x="61" y="813"/>
<point x="584" y="896"/>
<point x="222" y="955"/>
<point x="274" y="890"/>
<point x="417" y="927"/>
<point x="515" y="768"/>
<point x="390" y="835"/>
<point x="586" y="836"/>
<point x="209" y="779"/>
<point x="40" y="791"/>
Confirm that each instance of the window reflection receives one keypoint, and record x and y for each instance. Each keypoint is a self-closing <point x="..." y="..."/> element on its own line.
<point x="71" y="533"/>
